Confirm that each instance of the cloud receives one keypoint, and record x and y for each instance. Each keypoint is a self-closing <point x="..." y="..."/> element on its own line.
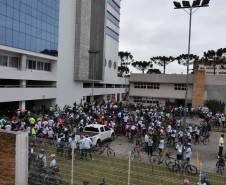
<point x="152" y="27"/>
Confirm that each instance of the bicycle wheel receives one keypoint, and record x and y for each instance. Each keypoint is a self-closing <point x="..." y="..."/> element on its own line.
<point x="191" y="169"/>
<point x="110" y="152"/>
<point x="176" y="168"/>
<point x="170" y="165"/>
<point x="206" y="141"/>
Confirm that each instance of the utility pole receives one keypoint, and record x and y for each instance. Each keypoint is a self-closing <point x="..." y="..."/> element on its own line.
<point x="190" y="10"/>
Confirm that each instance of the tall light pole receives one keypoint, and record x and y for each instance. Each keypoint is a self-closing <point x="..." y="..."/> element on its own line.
<point x="190" y="10"/>
<point x="94" y="52"/>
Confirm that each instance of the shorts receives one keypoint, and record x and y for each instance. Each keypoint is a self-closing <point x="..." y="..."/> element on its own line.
<point x="179" y="157"/>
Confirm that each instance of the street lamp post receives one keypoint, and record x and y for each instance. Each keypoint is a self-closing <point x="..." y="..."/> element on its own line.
<point x="95" y="52"/>
<point x="190" y="10"/>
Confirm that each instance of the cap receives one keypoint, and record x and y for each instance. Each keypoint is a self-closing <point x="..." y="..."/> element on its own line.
<point x="52" y="155"/>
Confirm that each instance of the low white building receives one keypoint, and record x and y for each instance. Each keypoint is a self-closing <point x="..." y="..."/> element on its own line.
<point x="162" y="89"/>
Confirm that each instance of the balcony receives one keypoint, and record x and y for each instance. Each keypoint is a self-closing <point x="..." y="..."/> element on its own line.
<point x="16" y="93"/>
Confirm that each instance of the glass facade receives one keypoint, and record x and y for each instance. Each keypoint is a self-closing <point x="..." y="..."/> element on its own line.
<point x="114" y="5"/>
<point x="30" y="24"/>
<point x="111" y="33"/>
<point x="112" y="18"/>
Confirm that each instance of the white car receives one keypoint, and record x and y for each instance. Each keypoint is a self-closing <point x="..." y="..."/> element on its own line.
<point x="98" y="133"/>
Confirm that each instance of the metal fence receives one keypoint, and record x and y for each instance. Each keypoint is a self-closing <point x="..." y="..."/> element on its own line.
<point x="103" y="168"/>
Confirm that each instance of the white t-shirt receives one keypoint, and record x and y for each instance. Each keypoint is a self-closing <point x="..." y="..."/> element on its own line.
<point x="179" y="149"/>
<point x="188" y="152"/>
<point x="161" y="144"/>
<point x="53" y="163"/>
<point x="87" y="143"/>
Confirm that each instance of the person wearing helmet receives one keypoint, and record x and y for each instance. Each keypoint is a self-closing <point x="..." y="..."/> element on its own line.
<point x="41" y="159"/>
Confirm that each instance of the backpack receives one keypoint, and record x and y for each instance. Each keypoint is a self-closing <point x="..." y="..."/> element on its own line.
<point x="40" y="162"/>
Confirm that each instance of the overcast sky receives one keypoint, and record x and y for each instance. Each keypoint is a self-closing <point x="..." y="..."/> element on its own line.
<point x="152" y="28"/>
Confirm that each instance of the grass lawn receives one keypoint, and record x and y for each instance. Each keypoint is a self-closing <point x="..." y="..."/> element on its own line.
<point x="115" y="172"/>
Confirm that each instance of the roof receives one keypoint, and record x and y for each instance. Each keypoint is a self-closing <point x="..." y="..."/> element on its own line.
<point x="161" y="78"/>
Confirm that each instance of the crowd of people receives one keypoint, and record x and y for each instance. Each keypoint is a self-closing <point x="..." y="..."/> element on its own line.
<point x="155" y="127"/>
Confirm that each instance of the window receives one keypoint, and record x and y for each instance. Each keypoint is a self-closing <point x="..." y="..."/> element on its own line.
<point x="107" y="129"/>
<point x="30" y="17"/>
<point x="113" y="34"/>
<point x="114" y="5"/>
<point x="102" y="129"/>
<point x="14" y="62"/>
<point x="91" y="129"/>
<point x="148" y="100"/>
<point x="180" y="87"/>
<point x="112" y="18"/>
<point x="40" y="66"/>
<point x="115" y="65"/>
<point x="143" y="85"/>
<point x="105" y="62"/>
<point x="3" y="60"/>
<point x="31" y="64"/>
<point x="109" y="63"/>
<point x="47" y="67"/>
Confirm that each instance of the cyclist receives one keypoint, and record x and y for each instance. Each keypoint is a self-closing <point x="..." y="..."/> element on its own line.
<point x="41" y="160"/>
<point x="179" y="148"/>
<point x="221" y="145"/>
<point x="53" y="163"/>
<point x="220" y="163"/>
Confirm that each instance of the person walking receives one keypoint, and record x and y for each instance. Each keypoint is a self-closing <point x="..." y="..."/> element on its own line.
<point x="88" y="147"/>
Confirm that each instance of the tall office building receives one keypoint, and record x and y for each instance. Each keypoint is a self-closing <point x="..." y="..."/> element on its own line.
<point x="28" y="52"/>
<point x="58" y="51"/>
<point x="88" y="51"/>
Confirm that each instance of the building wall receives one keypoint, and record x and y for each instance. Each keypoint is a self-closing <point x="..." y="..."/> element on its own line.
<point x="166" y="91"/>
<point x="7" y="158"/>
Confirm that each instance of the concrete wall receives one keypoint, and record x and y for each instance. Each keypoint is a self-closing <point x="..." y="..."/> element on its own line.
<point x="97" y="39"/>
<point x="22" y="158"/>
<point x="80" y="17"/>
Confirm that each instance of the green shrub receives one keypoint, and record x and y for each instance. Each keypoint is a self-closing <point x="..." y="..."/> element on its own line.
<point x="215" y="106"/>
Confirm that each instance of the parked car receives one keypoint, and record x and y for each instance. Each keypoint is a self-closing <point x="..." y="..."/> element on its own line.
<point x="98" y="133"/>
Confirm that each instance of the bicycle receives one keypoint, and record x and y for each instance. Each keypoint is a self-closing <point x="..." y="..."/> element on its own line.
<point x="109" y="151"/>
<point x="205" y="139"/>
<point x="220" y="165"/>
<point x="184" y="166"/>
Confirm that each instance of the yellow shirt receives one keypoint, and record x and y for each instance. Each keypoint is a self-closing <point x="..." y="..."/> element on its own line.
<point x="221" y="141"/>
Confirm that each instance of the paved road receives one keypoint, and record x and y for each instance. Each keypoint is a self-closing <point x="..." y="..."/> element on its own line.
<point x="207" y="154"/>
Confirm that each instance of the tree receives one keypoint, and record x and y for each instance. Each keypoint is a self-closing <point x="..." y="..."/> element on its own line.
<point x="162" y="61"/>
<point x="153" y="71"/>
<point x="142" y="65"/>
<point x="125" y="60"/>
<point x="183" y="58"/>
<point x="214" y="58"/>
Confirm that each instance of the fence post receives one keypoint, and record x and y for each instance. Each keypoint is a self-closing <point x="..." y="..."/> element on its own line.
<point x="72" y="162"/>
<point x="129" y="168"/>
